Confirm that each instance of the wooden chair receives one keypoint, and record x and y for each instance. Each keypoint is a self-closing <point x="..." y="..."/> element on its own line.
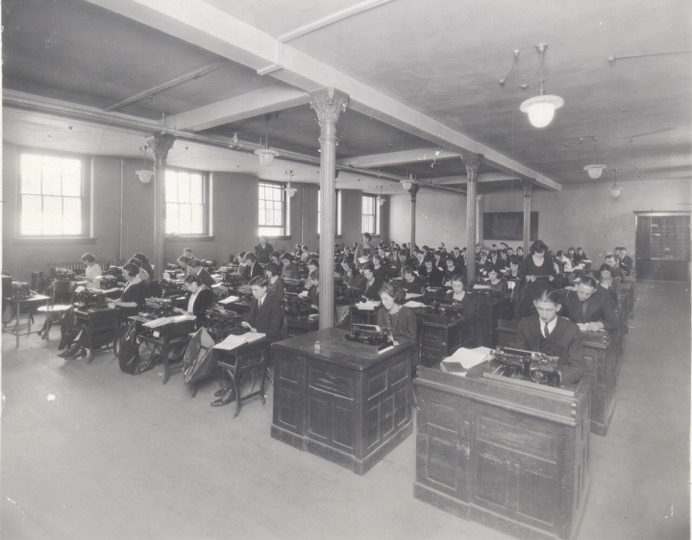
<point x="60" y="301"/>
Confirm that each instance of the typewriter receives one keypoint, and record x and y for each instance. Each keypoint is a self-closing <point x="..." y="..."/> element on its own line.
<point x="20" y="290"/>
<point x="220" y="323"/>
<point x="294" y="285"/>
<point x="232" y="279"/>
<point x="529" y="366"/>
<point x="172" y="289"/>
<point x="442" y="312"/>
<point x="62" y="274"/>
<point x="159" y="307"/>
<point x="346" y="295"/>
<point x="484" y="290"/>
<point x="90" y="299"/>
<point x="296" y="306"/>
<point x="368" y="334"/>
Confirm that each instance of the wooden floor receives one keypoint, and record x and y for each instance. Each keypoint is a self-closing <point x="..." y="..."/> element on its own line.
<point x="91" y="453"/>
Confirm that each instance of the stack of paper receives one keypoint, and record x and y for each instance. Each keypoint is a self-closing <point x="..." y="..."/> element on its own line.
<point x="163" y="321"/>
<point x="233" y="341"/>
<point x="229" y="300"/>
<point x="469" y="358"/>
<point x="414" y="304"/>
<point x="368" y="306"/>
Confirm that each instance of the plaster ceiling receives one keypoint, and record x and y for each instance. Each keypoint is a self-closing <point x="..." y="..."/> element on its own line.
<point x="423" y="79"/>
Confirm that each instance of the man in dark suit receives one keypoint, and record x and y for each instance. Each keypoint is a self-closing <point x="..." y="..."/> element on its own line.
<point x="590" y="307"/>
<point x="263" y="250"/>
<point x="252" y="268"/>
<point x="554" y="336"/>
<point x="625" y="261"/>
<point x="616" y="271"/>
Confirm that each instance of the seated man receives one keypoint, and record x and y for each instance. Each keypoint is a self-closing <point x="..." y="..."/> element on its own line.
<point x="592" y="309"/>
<point x="554" y="336"/>
<point x="616" y="270"/>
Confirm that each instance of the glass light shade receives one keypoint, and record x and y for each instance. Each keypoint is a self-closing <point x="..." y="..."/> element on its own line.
<point x="615" y="192"/>
<point x="541" y="109"/>
<point x="407" y="184"/>
<point x="144" y="176"/>
<point x="595" y="170"/>
<point x="266" y="156"/>
<point x="290" y="191"/>
<point x="380" y="200"/>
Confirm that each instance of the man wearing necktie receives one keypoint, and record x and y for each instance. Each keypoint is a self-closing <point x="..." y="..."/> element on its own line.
<point x="266" y="314"/>
<point x="553" y="335"/>
<point x="590" y="306"/>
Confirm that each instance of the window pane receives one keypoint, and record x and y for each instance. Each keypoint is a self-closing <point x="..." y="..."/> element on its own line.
<point x="31" y="174"/>
<point x="71" y="177"/>
<point x="171" y="218"/>
<point x="183" y="187"/>
<point x="50" y="173"/>
<point x="196" y="189"/>
<point x="171" y="186"/>
<point x="197" y="219"/>
<point x="184" y="219"/>
<point x="72" y="216"/>
<point x="31" y="214"/>
<point x="277" y="217"/>
<point x="52" y="216"/>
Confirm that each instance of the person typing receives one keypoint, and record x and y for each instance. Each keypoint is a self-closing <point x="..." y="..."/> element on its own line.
<point x="590" y="308"/>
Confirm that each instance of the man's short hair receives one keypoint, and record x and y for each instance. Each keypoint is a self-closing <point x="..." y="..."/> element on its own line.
<point x="588" y="281"/>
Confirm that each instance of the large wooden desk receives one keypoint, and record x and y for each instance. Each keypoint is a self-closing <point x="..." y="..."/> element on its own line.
<point x="302" y="325"/>
<point x="345" y="406"/>
<point x="509" y="454"/>
<point x="439" y="337"/>
<point x="100" y="327"/>
<point x="490" y="310"/>
<point x="600" y="357"/>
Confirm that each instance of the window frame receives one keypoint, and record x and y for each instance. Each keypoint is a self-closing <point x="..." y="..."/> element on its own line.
<point x="285" y="231"/>
<point x="376" y="215"/>
<point x="206" y="204"/>
<point x="85" y="197"/>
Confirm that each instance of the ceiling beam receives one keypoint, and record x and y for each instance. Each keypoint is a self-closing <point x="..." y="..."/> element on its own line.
<point x="485" y="178"/>
<point x="258" y="102"/>
<point x="205" y="26"/>
<point x="398" y="158"/>
<point x="167" y="85"/>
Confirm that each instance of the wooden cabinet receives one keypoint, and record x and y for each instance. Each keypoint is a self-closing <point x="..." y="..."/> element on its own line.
<point x="439" y="337"/>
<point x="600" y="357"/>
<point x="509" y="454"/>
<point x="341" y="403"/>
<point x="490" y="310"/>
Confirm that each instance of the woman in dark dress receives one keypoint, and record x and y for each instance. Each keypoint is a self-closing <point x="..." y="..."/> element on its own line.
<point x="135" y="290"/>
<point x="289" y="270"/>
<point x="537" y="274"/>
<point x="352" y="277"/>
<point x="276" y="286"/>
<point x="372" y="285"/>
<point x="399" y="320"/>
<point x="459" y="297"/>
<point x="199" y="298"/>
<point x="433" y="275"/>
<point x="411" y="282"/>
<point x="379" y="270"/>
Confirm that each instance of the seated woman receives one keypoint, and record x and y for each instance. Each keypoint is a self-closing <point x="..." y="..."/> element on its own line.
<point x="607" y="282"/>
<point x="276" y="285"/>
<point x="275" y="257"/>
<point x="379" y="270"/>
<point x="135" y="290"/>
<point x="196" y="269"/>
<point x="314" y="290"/>
<point x="553" y="335"/>
<point x="396" y="319"/>
<point x="146" y="265"/>
<point x="143" y="274"/>
<point x="199" y="298"/>
<point x="496" y="283"/>
<point x="434" y="276"/>
<point x="305" y="254"/>
<point x="371" y="287"/>
<point x="92" y="271"/>
<point x="313" y="266"/>
<point x="411" y="282"/>
<point x="451" y="270"/>
<point x="352" y="277"/>
<point x="289" y="270"/>
<point x="347" y="254"/>
<point x="252" y="269"/>
<point x="459" y="297"/>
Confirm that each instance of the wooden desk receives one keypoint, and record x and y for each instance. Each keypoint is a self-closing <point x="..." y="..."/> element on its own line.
<point x="600" y="357"/>
<point x="439" y="337"/>
<point x="509" y="454"/>
<point x="490" y="309"/>
<point x="162" y="338"/>
<point x="17" y="304"/>
<point x="100" y="326"/>
<point x="302" y="325"/>
<point x="346" y="406"/>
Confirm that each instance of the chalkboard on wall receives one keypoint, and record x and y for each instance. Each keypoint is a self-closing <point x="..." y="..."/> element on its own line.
<point x="508" y="226"/>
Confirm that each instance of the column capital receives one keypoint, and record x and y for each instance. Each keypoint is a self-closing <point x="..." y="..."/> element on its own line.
<point x="414" y="191"/>
<point x="472" y="162"/>
<point x="161" y="144"/>
<point x="328" y="104"/>
<point x="527" y="184"/>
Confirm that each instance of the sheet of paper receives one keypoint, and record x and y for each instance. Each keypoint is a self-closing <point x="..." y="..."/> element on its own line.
<point x="233" y="341"/>
<point x="411" y="295"/>
<point x="469" y="358"/>
<point x="229" y="300"/>
<point x="414" y="304"/>
<point x="368" y="306"/>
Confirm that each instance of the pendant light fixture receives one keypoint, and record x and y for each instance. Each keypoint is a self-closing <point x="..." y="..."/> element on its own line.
<point x="290" y="191"/>
<point x="266" y="155"/>
<point x="541" y="108"/>
<point x="380" y="199"/>
<point x="595" y="170"/>
<point x="615" y="190"/>
<point x="144" y="175"/>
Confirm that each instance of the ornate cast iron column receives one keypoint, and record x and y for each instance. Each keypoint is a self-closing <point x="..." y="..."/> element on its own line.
<point x="527" y="184"/>
<point x="471" y="162"/>
<point x="160" y="144"/>
<point x="413" y="192"/>
<point x="328" y="105"/>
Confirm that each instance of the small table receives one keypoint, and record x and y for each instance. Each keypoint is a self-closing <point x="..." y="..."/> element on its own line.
<point x="163" y="337"/>
<point x="250" y="358"/>
<point x="24" y="303"/>
<point x="94" y="321"/>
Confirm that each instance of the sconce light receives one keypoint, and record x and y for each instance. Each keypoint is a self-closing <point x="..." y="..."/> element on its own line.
<point x="290" y="191"/>
<point x="408" y="183"/>
<point x="145" y="175"/>
<point x="541" y="108"/>
<point x="595" y="170"/>
<point x="266" y="155"/>
<point x="380" y="199"/>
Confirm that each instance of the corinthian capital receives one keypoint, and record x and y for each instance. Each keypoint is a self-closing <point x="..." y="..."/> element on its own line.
<point x="328" y="104"/>
<point x="527" y="184"/>
<point x="160" y="145"/>
<point x="472" y="162"/>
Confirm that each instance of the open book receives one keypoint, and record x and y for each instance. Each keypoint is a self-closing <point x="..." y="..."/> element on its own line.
<point x="163" y="321"/>
<point x="229" y="300"/>
<point x="464" y="359"/>
<point x="233" y="341"/>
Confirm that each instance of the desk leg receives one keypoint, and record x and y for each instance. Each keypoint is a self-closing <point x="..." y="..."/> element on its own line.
<point x="236" y="385"/>
<point x="90" y="345"/>
<point x="166" y="364"/>
<point x="16" y="324"/>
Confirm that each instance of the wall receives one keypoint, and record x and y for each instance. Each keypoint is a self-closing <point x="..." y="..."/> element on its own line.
<point x="589" y="217"/>
<point x="440" y="217"/>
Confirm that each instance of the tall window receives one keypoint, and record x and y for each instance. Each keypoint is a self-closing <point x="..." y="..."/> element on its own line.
<point x="273" y="214"/>
<point x="370" y="221"/>
<point x="52" y="196"/>
<point x="186" y="196"/>
<point x="338" y="212"/>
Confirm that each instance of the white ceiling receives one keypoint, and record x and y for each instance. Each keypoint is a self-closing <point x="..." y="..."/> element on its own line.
<point x="422" y="77"/>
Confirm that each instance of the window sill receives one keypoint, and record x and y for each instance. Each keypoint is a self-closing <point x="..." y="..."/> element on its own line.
<point x="189" y="238"/>
<point x="52" y="240"/>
